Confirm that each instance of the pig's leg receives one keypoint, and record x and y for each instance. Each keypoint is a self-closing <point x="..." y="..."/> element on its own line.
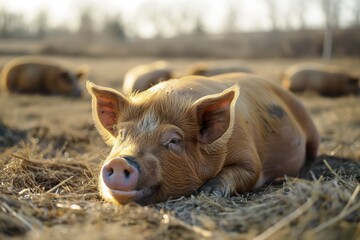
<point x="232" y="179"/>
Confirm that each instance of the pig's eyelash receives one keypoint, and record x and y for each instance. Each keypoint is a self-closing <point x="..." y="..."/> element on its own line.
<point x="174" y="141"/>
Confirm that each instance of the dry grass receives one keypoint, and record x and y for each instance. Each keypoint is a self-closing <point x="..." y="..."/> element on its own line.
<point x="49" y="161"/>
<point x="44" y="197"/>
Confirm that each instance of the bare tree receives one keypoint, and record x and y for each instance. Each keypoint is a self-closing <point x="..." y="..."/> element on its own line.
<point x="152" y="16"/>
<point x="165" y="20"/>
<point x="300" y="10"/>
<point x="114" y="27"/>
<point x="4" y="23"/>
<point x="41" y="22"/>
<point x="273" y="13"/>
<point x="232" y="16"/>
<point x="199" y="28"/>
<point x="356" y="12"/>
<point x="11" y="24"/>
<point x="331" y="10"/>
<point x="86" y="23"/>
<point x="185" y="19"/>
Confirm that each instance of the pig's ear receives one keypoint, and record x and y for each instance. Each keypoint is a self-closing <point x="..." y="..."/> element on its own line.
<point x="106" y="106"/>
<point x="215" y="113"/>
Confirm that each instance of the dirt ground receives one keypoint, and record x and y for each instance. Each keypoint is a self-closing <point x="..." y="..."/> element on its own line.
<point x="50" y="153"/>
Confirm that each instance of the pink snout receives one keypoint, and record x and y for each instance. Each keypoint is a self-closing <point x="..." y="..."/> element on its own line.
<point x="118" y="174"/>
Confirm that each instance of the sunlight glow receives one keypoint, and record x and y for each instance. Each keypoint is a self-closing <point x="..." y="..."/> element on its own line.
<point x="250" y="15"/>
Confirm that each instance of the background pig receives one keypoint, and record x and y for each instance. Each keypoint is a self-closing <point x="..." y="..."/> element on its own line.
<point x="216" y="68"/>
<point x="140" y="78"/>
<point x="34" y="75"/>
<point x="225" y="134"/>
<point x="324" y="79"/>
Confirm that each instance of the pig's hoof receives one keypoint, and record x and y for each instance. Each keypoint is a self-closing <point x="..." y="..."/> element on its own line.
<point x="213" y="187"/>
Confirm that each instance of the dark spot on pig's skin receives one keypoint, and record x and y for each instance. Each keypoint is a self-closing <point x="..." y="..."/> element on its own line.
<point x="267" y="124"/>
<point x="275" y="111"/>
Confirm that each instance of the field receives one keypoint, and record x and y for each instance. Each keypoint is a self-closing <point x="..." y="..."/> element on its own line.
<point x="50" y="154"/>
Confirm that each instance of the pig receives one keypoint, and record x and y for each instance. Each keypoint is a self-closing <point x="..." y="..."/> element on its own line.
<point x="215" y="68"/>
<point x="220" y="135"/>
<point x="141" y="77"/>
<point x="324" y="79"/>
<point x="35" y="75"/>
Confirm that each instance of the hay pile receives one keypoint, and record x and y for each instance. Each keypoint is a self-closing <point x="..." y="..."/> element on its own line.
<point x="58" y="199"/>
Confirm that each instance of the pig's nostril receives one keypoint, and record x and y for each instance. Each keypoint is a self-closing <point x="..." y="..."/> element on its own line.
<point x="110" y="171"/>
<point x="126" y="173"/>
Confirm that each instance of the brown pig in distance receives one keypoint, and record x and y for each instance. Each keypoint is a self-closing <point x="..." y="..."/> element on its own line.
<point x="212" y="68"/>
<point x="36" y="75"/>
<point x="221" y="135"/>
<point x="142" y="77"/>
<point x="324" y="79"/>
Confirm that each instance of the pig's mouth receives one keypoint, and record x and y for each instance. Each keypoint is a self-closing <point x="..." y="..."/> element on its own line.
<point x="135" y="195"/>
<point x="141" y="196"/>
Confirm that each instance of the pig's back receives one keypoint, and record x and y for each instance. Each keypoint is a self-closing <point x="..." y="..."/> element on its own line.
<point x="198" y="86"/>
<point x="143" y="82"/>
<point x="25" y="74"/>
<point x="24" y="78"/>
<point x="313" y="67"/>
<point x="314" y="77"/>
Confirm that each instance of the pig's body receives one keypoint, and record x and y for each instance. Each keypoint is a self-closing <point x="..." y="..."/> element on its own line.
<point x="142" y="77"/>
<point x="35" y="75"/>
<point x="216" y="68"/>
<point x="264" y="133"/>
<point x="324" y="79"/>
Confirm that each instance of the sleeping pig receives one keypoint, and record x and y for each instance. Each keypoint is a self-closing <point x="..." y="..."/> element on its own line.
<point x="142" y="77"/>
<point x="35" y="75"/>
<point x="212" y="68"/>
<point x="324" y="79"/>
<point x="220" y="135"/>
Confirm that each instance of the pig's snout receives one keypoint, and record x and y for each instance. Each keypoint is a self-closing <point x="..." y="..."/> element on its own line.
<point x="119" y="174"/>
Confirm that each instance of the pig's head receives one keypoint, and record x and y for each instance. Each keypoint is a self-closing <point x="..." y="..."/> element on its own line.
<point x="68" y="83"/>
<point x="164" y="144"/>
<point x="352" y="85"/>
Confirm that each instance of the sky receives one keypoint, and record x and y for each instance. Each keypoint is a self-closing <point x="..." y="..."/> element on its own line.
<point x="252" y="15"/>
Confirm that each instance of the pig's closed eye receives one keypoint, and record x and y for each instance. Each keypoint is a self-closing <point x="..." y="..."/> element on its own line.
<point x="175" y="141"/>
<point x="174" y="144"/>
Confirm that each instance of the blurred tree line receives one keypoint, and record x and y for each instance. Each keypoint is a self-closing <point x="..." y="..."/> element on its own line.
<point x="164" y="22"/>
<point x="13" y="25"/>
